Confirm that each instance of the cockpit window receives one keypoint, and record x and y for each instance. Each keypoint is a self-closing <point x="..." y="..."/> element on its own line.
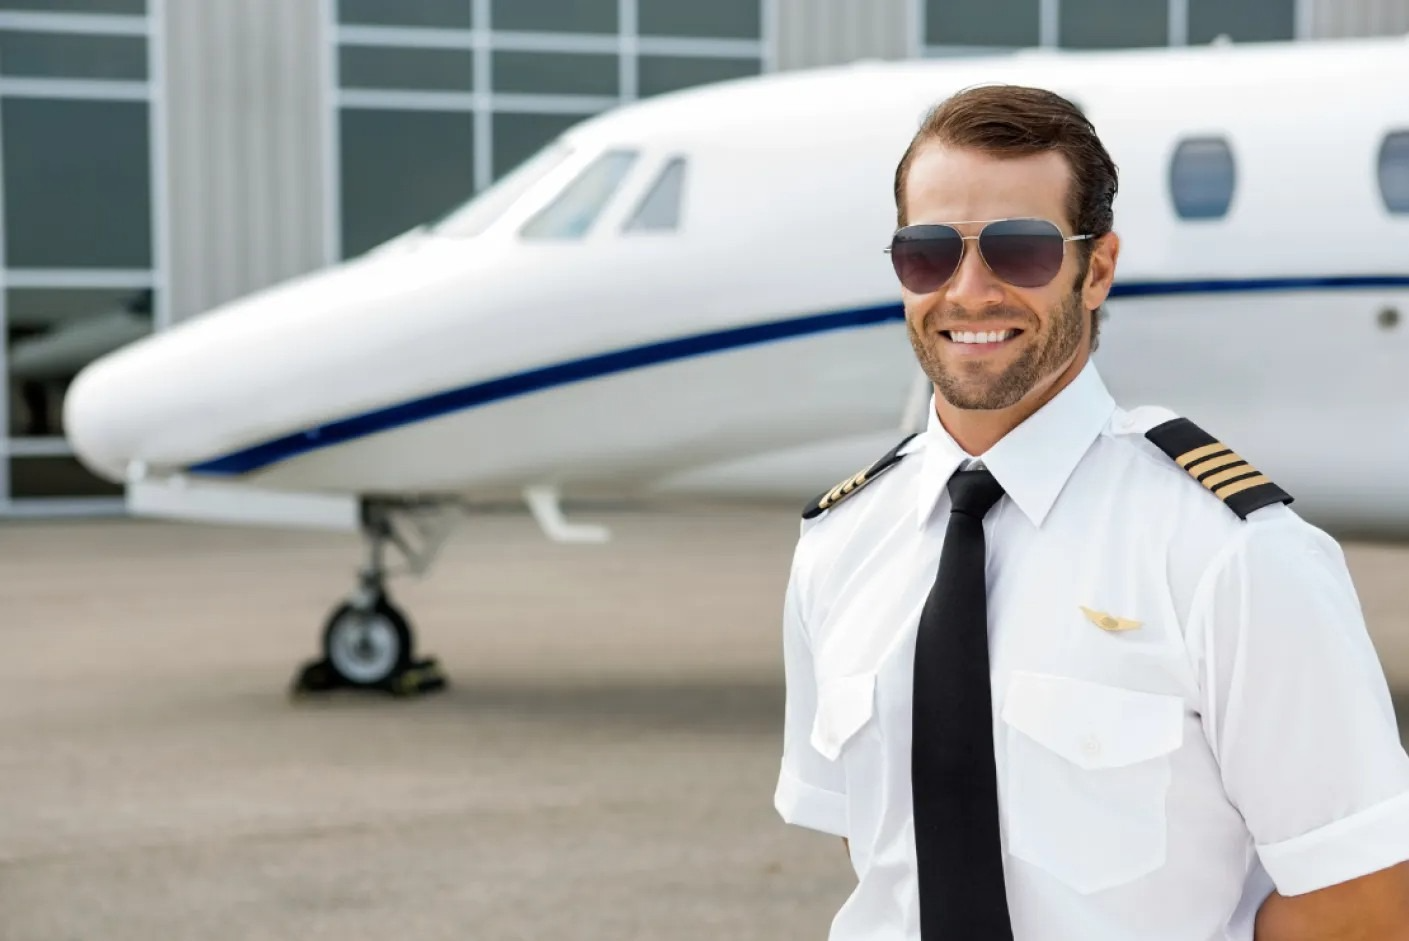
<point x="660" y="210"/>
<point x="479" y="213"/>
<point x="572" y="213"/>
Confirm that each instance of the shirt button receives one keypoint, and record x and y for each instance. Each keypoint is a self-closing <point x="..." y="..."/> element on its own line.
<point x="1091" y="746"/>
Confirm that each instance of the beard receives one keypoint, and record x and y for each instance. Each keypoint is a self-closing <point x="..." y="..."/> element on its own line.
<point x="974" y="385"/>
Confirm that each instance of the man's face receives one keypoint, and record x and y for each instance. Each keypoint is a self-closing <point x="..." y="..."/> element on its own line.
<point x="1045" y="329"/>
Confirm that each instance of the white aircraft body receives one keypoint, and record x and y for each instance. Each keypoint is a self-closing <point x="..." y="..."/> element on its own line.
<point x="689" y="293"/>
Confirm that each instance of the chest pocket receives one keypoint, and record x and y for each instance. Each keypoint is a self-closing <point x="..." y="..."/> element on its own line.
<point x="1088" y="774"/>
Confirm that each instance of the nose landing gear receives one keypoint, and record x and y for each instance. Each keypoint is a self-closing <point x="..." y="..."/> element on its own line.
<point x="368" y="643"/>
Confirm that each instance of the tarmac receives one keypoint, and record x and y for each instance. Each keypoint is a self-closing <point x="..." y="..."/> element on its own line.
<point x="601" y="766"/>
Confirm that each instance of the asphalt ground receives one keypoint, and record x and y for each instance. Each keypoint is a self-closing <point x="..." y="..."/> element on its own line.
<point x="600" y="767"/>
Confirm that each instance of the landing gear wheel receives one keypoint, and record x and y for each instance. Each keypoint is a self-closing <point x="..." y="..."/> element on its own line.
<point x="367" y="641"/>
<point x="367" y="646"/>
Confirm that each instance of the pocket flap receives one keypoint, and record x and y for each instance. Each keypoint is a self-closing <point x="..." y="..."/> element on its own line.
<point x="844" y="705"/>
<point x="1093" y="725"/>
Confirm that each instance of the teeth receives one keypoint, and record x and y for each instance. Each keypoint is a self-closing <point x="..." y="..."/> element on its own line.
<point x="993" y="336"/>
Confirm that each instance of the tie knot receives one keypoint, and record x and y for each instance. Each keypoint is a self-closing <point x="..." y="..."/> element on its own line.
<point x="974" y="492"/>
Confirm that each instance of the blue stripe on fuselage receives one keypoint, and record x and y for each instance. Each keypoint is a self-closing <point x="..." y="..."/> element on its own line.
<point x="703" y="344"/>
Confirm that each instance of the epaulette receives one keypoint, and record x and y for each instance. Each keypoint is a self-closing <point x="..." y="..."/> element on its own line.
<point x="1212" y="463"/>
<point x="855" y="482"/>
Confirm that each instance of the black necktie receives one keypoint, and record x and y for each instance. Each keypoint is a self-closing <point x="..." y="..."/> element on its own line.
<point x="955" y="784"/>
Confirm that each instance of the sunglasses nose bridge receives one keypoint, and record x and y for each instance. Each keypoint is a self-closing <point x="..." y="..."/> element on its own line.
<point x="973" y="278"/>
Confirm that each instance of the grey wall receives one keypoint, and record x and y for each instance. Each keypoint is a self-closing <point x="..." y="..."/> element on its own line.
<point x="1340" y="18"/>
<point x="829" y="32"/>
<point x="244" y="154"/>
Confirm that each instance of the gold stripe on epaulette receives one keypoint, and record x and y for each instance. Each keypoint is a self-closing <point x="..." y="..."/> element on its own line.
<point x="1242" y="469"/>
<point x="842" y="489"/>
<point x="1189" y="457"/>
<point x="1210" y="464"/>
<point x="1241" y="485"/>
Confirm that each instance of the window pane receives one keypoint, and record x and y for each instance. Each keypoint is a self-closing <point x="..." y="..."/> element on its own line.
<point x="65" y="207"/>
<point x="1241" y="20"/>
<point x="1394" y="172"/>
<point x="1202" y="178"/>
<point x="577" y="207"/>
<point x="567" y="16"/>
<point x="455" y="14"/>
<point x="73" y="55"/>
<point x="420" y="69"/>
<point x="1100" y="24"/>
<point x="557" y="73"/>
<point x="52" y="333"/>
<point x="660" y="210"/>
<point x="715" y="19"/>
<point x="518" y="136"/>
<point x="400" y="169"/>
<point x="659" y="74"/>
<point x="35" y="477"/>
<point x="77" y="6"/>
<point x="484" y="209"/>
<point x="982" y="23"/>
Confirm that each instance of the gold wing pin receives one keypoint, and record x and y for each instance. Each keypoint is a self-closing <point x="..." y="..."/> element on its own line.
<point x="1109" y="622"/>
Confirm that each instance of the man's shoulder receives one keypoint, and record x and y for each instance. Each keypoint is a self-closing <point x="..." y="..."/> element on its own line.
<point x="828" y="500"/>
<point x="1177" y="458"/>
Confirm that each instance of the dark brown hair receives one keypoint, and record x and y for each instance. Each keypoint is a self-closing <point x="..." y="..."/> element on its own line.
<point x="1015" y="121"/>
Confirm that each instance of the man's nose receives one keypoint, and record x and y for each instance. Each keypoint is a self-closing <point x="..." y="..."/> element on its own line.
<point x="973" y="285"/>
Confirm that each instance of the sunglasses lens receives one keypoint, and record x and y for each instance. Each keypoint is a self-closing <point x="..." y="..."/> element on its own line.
<point x="925" y="256"/>
<point x="1026" y="253"/>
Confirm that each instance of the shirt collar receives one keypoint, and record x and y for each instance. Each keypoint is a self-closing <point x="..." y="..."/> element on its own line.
<point x="1035" y="459"/>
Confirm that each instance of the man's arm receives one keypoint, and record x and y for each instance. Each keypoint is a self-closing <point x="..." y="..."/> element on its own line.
<point x="1297" y="711"/>
<point x="1370" y="908"/>
<point x="811" y="790"/>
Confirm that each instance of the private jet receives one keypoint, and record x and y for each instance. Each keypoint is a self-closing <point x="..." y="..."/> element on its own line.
<point x="689" y="294"/>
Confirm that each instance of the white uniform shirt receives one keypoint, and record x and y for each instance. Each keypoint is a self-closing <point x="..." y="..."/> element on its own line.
<point x="1155" y="782"/>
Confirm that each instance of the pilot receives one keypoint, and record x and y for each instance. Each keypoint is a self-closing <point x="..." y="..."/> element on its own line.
<point x="1059" y="669"/>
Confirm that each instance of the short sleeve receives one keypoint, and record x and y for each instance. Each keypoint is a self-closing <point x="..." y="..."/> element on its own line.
<point x="1297" y="708"/>
<point x="811" y="790"/>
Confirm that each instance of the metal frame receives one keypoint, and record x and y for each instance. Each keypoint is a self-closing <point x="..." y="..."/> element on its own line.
<point x="915" y="21"/>
<point x="1305" y="13"/>
<point x="332" y="168"/>
<point x="1179" y="22"/>
<point x="484" y="102"/>
<point x="1049" y="27"/>
<point x="406" y="37"/>
<point x="160" y="185"/>
<point x="6" y="444"/>
<point x="106" y="24"/>
<point x="1049" y="23"/>
<point x="483" y="79"/>
<point x="474" y="101"/>
<point x="152" y="91"/>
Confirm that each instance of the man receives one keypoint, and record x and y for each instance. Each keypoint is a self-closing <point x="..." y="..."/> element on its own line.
<point x="1101" y="683"/>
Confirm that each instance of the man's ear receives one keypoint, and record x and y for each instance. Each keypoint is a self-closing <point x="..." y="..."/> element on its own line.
<point x="1100" y="272"/>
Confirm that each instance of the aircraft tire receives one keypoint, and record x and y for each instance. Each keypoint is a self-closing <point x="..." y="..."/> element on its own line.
<point x="367" y="648"/>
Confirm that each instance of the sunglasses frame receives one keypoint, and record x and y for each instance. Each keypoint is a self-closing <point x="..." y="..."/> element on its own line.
<point x="965" y="239"/>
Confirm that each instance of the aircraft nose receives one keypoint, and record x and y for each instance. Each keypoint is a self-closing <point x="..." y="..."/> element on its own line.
<point x="98" y="421"/>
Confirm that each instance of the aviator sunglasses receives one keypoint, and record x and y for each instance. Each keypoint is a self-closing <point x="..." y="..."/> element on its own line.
<point x="1026" y="253"/>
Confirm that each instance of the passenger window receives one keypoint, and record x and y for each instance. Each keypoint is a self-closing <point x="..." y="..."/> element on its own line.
<point x="1394" y="172"/>
<point x="572" y="213"/>
<point x="660" y="210"/>
<point x="1202" y="178"/>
